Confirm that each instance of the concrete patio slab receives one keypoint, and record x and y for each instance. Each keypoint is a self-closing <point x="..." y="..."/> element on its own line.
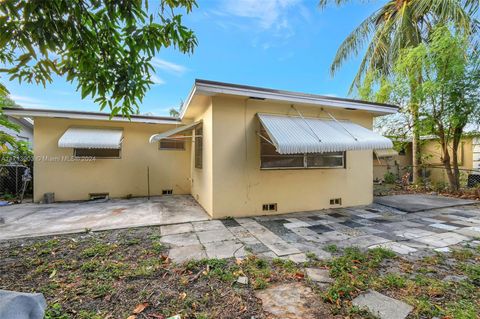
<point x="31" y="220"/>
<point x="225" y="249"/>
<point x="287" y="301"/>
<point x="382" y="306"/>
<point x="420" y="202"/>
<point x="189" y="233"/>
<point x="185" y="253"/>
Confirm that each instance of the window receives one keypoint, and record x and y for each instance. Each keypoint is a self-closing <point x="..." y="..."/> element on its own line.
<point x="199" y="146"/>
<point x="172" y="144"/>
<point x="269" y="158"/>
<point x="97" y="152"/>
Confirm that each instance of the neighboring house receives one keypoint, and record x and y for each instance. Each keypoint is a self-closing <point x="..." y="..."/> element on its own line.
<point x="238" y="150"/>
<point x="399" y="163"/>
<point x="26" y="129"/>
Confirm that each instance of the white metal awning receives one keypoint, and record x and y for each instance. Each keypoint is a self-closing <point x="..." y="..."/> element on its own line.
<point x="157" y="137"/>
<point x="390" y="152"/>
<point x="297" y="135"/>
<point x="88" y="137"/>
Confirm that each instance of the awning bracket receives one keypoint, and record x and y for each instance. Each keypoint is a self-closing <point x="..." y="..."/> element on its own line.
<point x="305" y="121"/>
<point x="339" y="123"/>
<point x="266" y="139"/>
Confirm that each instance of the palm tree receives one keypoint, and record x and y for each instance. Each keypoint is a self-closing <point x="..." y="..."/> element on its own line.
<point x="400" y="24"/>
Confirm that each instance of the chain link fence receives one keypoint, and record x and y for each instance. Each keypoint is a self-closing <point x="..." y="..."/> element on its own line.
<point x="12" y="183"/>
<point x="433" y="176"/>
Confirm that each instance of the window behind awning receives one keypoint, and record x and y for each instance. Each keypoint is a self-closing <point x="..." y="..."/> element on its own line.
<point x="390" y="152"/>
<point x="168" y="134"/>
<point x="87" y="137"/>
<point x="299" y="135"/>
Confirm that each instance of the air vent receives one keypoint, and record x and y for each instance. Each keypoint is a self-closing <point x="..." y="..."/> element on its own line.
<point x="96" y="196"/>
<point x="167" y="191"/>
<point x="335" y="201"/>
<point x="257" y="98"/>
<point x="269" y="207"/>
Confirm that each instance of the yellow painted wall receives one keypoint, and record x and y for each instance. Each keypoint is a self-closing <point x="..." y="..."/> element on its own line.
<point x="119" y="177"/>
<point x="398" y="165"/>
<point x="240" y="187"/>
<point x="202" y="189"/>
<point x="433" y="149"/>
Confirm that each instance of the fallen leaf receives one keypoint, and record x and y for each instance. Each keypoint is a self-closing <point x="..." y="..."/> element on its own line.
<point x="132" y="317"/>
<point x="183" y="295"/>
<point x="299" y="275"/>
<point x="140" y="307"/>
<point x="54" y="272"/>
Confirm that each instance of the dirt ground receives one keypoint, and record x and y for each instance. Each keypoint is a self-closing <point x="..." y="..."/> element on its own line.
<point x="126" y="274"/>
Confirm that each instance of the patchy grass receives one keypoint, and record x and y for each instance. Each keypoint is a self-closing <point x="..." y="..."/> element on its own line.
<point x="112" y="273"/>
<point x="420" y="282"/>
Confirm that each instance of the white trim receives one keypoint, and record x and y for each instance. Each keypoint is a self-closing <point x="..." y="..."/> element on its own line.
<point x="85" y="116"/>
<point x="212" y="89"/>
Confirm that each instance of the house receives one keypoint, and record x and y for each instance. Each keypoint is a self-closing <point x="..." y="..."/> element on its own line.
<point x="238" y="150"/>
<point x="399" y="163"/>
<point x="25" y="132"/>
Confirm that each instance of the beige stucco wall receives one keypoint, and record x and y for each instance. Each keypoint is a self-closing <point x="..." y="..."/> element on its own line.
<point x="240" y="187"/>
<point x="118" y="177"/>
<point x="432" y="153"/>
<point x="202" y="185"/>
<point x="398" y="165"/>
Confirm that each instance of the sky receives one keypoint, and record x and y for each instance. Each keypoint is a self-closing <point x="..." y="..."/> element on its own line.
<point x="279" y="44"/>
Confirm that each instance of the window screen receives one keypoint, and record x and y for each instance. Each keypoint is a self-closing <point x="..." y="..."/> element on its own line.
<point x="172" y="144"/>
<point x="97" y="152"/>
<point x="199" y="146"/>
<point x="269" y="158"/>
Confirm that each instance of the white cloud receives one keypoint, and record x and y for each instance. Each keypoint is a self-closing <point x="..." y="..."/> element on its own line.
<point x="156" y="80"/>
<point x="268" y="13"/>
<point x="23" y="99"/>
<point x="169" y="66"/>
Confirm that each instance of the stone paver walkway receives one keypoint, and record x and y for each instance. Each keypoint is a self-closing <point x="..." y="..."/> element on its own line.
<point x="382" y="306"/>
<point x="292" y="236"/>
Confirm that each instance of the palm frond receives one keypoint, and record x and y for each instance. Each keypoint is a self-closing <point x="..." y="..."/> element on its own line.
<point x="355" y="41"/>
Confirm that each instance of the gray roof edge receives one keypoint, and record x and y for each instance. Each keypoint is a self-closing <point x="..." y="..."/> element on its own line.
<point x="33" y="112"/>
<point x="291" y="93"/>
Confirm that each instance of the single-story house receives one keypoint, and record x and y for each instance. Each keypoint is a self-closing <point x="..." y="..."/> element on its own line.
<point x="238" y="150"/>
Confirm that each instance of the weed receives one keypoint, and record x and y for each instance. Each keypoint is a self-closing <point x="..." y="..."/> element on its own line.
<point x="395" y="281"/>
<point x="157" y="247"/>
<point x="463" y="309"/>
<point x="311" y="256"/>
<point x="260" y="283"/>
<point x="55" y="311"/>
<point x="98" y="249"/>
<point x="101" y="290"/>
<point x="473" y="272"/>
<point x="84" y="314"/>
<point x="462" y="254"/>
<point x="286" y="264"/>
<point x="331" y="248"/>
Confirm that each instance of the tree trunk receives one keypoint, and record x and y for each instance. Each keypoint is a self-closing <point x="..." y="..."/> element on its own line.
<point x="448" y="168"/>
<point x="456" y="172"/>
<point x="416" y="171"/>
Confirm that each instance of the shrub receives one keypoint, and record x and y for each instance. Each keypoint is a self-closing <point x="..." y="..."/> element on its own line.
<point x="389" y="178"/>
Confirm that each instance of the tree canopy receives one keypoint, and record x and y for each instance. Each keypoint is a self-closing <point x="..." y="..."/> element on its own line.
<point x="445" y="72"/>
<point x="104" y="46"/>
<point x="396" y="25"/>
